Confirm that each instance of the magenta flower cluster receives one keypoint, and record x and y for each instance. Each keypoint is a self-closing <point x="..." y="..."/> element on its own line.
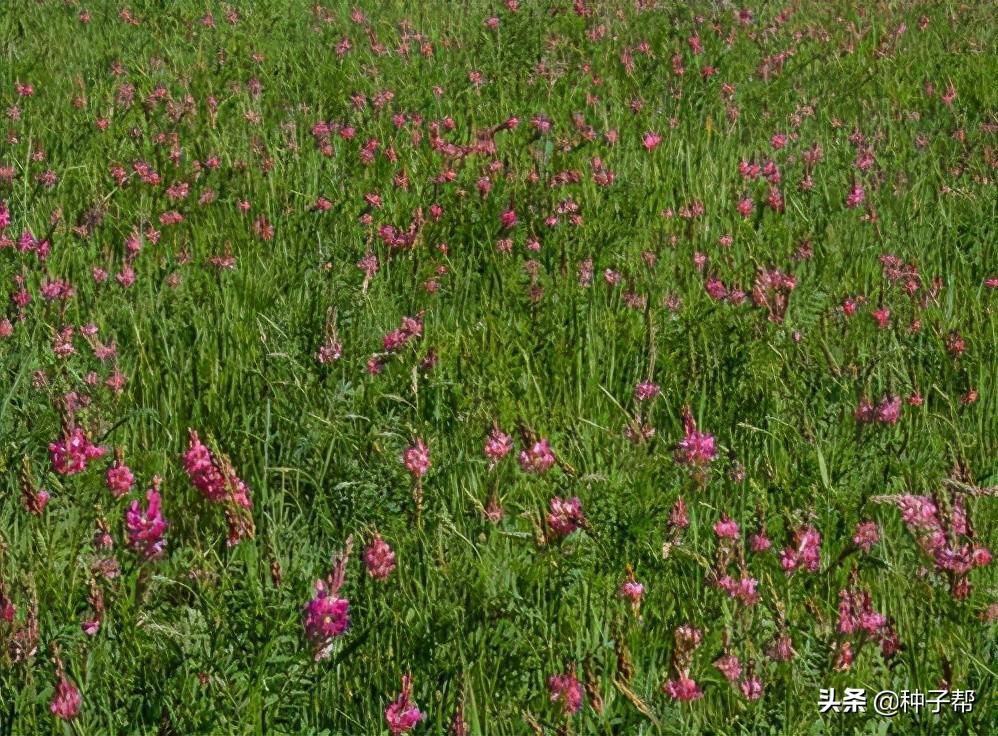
<point x="402" y="715"/>
<point x="207" y="476"/>
<point x="146" y="527"/>
<point x="537" y="458"/>
<point x="565" y="516"/>
<point x="72" y="452"/>
<point x="327" y="616"/>
<point x="566" y="689"/>
<point x="696" y="448"/>
<point x="416" y="459"/>
<point x="379" y="558"/>
<point x="217" y="481"/>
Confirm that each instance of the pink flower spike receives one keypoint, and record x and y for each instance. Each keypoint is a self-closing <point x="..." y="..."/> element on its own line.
<point x="752" y="688"/>
<point x="217" y="481"/>
<point x="729" y="666"/>
<point x="119" y="478"/>
<point x="632" y="590"/>
<point x="416" y="459"/>
<point x="650" y="140"/>
<point x="695" y="448"/>
<point x="146" y="527"/>
<point x="327" y="616"/>
<point x="66" y="700"/>
<point x="565" y="516"/>
<point x="379" y="558"/>
<point x="683" y="689"/>
<point x="646" y="390"/>
<point x="71" y="453"/>
<point x="726" y="528"/>
<point x="402" y="715"/>
<point x="889" y="410"/>
<point x="566" y="689"/>
<point x="866" y="535"/>
<point x="538" y="458"/>
<point x="498" y="445"/>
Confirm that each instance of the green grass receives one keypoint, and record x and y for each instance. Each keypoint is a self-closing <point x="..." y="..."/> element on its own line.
<point x="207" y="640"/>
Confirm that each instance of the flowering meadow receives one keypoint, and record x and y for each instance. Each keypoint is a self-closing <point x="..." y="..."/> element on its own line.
<point x="508" y="367"/>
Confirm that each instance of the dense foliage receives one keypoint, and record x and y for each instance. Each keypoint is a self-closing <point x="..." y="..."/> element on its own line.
<point x="496" y="368"/>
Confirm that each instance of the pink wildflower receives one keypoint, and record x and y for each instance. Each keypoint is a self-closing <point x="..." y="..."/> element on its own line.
<point x="781" y="649"/>
<point x="751" y="688"/>
<point x="566" y="689"/>
<point x="856" y="613"/>
<point x="498" y="445"/>
<point x="329" y="351"/>
<point x="889" y="410"/>
<point x="379" y="559"/>
<point x="844" y="657"/>
<point x="71" y="453"/>
<point x="948" y="95"/>
<point x="806" y="553"/>
<point x="716" y="289"/>
<point x="864" y="412"/>
<point x="631" y="590"/>
<point x="119" y="477"/>
<point x="855" y="197"/>
<point x="327" y="616"/>
<point x="726" y="528"/>
<point x="34" y="500"/>
<point x="696" y="448"/>
<point x="729" y="666"/>
<point x="679" y="518"/>
<point x="493" y="511"/>
<point x="538" y="458"/>
<point x="146" y="527"/>
<point x="410" y="329"/>
<point x="760" y="542"/>
<point x="7" y="608"/>
<point x="866" y="535"/>
<point x="771" y="290"/>
<point x="66" y="700"/>
<point x="417" y="458"/>
<point x="919" y="512"/>
<point x="683" y="689"/>
<point x="646" y="390"/>
<point x="217" y="480"/>
<point x="565" y="515"/>
<point x="126" y="277"/>
<point x="204" y="470"/>
<point x="402" y="714"/>
<point x="746" y="591"/>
